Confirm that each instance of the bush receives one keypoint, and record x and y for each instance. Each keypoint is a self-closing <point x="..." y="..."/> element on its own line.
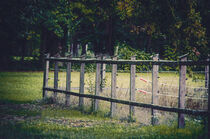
<point x="125" y="52"/>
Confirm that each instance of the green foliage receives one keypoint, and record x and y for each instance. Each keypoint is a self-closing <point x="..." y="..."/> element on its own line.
<point x="170" y="53"/>
<point x="90" y="78"/>
<point x="90" y="82"/>
<point x="125" y="8"/>
<point x="170" y="28"/>
<point x="125" y="52"/>
<point x="186" y="33"/>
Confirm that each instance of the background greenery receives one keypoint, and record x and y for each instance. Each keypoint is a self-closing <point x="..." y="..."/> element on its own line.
<point x="31" y="28"/>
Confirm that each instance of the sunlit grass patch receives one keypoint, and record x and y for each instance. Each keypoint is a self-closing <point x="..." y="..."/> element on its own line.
<point x="20" y="86"/>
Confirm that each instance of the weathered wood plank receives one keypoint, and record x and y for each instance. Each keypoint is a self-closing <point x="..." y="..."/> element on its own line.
<point x="207" y="85"/>
<point x="207" y="73"/>
<point x="113" y="88"/>
<point x="137" y="62"/>
<point x="209" y="103"/>
<point x="132" y="87"/>
<point x="103" y="72"/>
<point x="97" y="84"/>
<point x="46" y="76"/>
<point x="157" y="107"/>
<point x="155" y="69"/>
<point x="68" y="81"/>
<point x="55" y="80"/>
<point x="82" y="82"/>
<point x="182" y="92"/>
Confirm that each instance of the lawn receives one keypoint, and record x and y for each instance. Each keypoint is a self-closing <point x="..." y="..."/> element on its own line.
<point x="25" y="115"/>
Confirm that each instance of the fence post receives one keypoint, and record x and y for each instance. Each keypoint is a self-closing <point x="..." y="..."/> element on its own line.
<point x="113" y="87"/>
<point x="207" y="85"/>
<point x="132" y="87"/>
<point x="46" y="76"/>
<point x="155" y="69"/>
<point x="209" y="101"/>
<point x="182" y="91"/>
<point x="55" y="80"/>
<point x="207" y="73"/>
<point x="97" y="84"/>
<point x="82" y="82"/>
<point x="68" y="81"/>
<point x="103" y="72"/>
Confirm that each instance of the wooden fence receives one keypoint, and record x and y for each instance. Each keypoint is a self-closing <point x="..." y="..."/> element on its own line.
<point x="182" y="63"/>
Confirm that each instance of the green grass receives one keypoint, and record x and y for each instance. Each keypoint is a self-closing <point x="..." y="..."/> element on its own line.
<point x="47" y="130"/>
<point x="20" y="87"/>
<point x="24" y="115"/>
<point x="43" y="129"/>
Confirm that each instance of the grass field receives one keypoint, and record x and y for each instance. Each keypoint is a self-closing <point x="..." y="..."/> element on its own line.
<point x="25" y="115"/>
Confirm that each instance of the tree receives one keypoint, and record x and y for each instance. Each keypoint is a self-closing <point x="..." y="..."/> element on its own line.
<point x="13" y="30"/>
<point x="172" y="27"/>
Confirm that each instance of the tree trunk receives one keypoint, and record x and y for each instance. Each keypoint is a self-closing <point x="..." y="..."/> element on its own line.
<point x="64" y="41"/>
<point x="75" y="49"/>
<point x="23" y="49"/>
<point x="71" y="49"/>
<point x="42" y="46"/>
<point x="149" y="41"/>
<point x="109" y="42"/>
<point x="84" y="49"/>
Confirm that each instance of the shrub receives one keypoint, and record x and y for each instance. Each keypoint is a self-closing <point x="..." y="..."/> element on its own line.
<point x="125" y="52"/>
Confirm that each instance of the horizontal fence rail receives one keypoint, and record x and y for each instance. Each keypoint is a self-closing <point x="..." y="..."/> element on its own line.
<point x="131" y="62"/>
<point x="132" y="103"/>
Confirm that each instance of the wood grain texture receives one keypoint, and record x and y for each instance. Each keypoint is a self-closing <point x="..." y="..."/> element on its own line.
<point x="113" y="87"/>
<point x="182" y="92"/>
<point x="46" y="76"/>
<point x="82" y="82"/>
<point x="68" y="81"/>
<point x="155" y="70"/>
<point x="132" y="86"/>
<point x="97" y="84"/>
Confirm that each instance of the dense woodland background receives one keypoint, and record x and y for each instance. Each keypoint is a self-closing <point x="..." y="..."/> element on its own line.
<point x="31" y="28"/>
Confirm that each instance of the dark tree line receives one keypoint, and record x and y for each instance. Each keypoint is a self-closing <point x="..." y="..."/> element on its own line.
<point x="168" y="27"/>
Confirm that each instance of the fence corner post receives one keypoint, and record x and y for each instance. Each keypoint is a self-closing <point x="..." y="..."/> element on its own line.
<point x="132" y="87"/>
<point x="82" y="83"/>
<point x="182" y="90"/>
<point x="113" y="87"/>
<point x="46" y="76"/>
<point x="68" y="80"/>
<point x="155" y="70"/>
